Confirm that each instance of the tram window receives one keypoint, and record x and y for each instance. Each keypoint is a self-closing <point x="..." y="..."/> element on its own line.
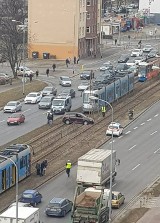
<point x="21" y="163"/>
<point x="24" y="161"/>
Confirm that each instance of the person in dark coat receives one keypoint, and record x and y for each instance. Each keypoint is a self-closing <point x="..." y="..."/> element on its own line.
<point x="30" y="78"/>
<point x="115" y="41"/>
<point x="67" y="62"/>
<point x="41" y="169"/>
<point x="75" y="60"/>
<point x="45" y="163"/>
<point x="38" y="168"/>
<point x="37" y="73"/>
<point x="47" y="72"/>
<point x="54" y="67"/>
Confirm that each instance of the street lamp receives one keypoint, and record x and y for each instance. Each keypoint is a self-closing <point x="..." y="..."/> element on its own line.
<point x="23" y="53"/>
<point x="111" y="163"/>
<point x="14" y="163"/>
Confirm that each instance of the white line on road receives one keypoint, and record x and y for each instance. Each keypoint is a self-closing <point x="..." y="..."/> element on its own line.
<point x="135" y="127"/>
<point x="149" y="119"/>
<point x="153" y="133"/>
<point x="127" y="132"/>
<point x="142" y="123"/>
<point x="156" y="150"/>
<point x="132" y="147"/>
<point x="156" y="115"/>
<point x="114" y="185"/>
<point x="136" y="166"/>
<point x="111" y="141"/>
<point x="26" y="110"/>
<point x="120" y="137"/>
<point x="2" y="121"/>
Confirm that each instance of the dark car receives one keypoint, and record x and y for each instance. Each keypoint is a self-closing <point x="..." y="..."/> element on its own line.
<point x="46" y="102"/>
<point x="153" y="53"/>
<point x="77" y="118"/>
<point x="31" y="196"/>
<point x="16" y="119"/>
<point x="58" y="207"/>
<point x="123" y="58"/>
<point x="102" y="79"/>
<point x="121" y="67"/>
<point x="87" y="75"/>
<point x="47" y="91"/>
<point x="69" y="92"/>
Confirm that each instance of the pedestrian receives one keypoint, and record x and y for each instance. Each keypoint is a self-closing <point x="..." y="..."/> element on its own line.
<point x="47" y="72"/>
<point x="38" y="168"/>
<point x="30" y="78"/>
<point x="67" y="62"/>
<point x="103" y="110"/>
<point x="45" y="164"/>
<point x="54" y="67"/>
<point x="49" y="118"/>
<point x="10" y="81"/>
<point x="37" y="73"/>
<point x="139" y="44"/>
<point x="75" y="59"/>
<point x="155" y="30"/>
<point x="92" y="74"/>
<point x="115" y="41"/>
<point x="68" y="167"/>
<point x="41" y="169"/>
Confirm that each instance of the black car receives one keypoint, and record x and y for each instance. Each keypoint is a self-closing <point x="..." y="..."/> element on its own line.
<point x="87" y="75"/>
<point x="102" y="79"/>
<point x="121" y="67"/>
<point x="123" y="58"/>
<point x="69" y="92"/>
<point x="153" y="53"/>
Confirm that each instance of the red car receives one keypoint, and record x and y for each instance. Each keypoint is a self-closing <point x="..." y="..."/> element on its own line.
<point x="16" y="118"/>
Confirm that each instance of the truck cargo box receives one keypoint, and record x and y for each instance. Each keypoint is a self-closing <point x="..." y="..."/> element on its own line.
<point x="94" y="167"/>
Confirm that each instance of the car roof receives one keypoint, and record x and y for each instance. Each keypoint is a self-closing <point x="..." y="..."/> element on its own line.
<point x="35" y="92"/>
<point x="115" y="123"/>
<point x="116" y="192"/>
<point x="64" y="76"/>
<point x="12" y="102"/>
<point x="29" y="191"/>
<point x="57" y="200"/>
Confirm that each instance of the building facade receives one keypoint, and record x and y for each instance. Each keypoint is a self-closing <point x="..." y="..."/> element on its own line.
<point x="63" y="28"/>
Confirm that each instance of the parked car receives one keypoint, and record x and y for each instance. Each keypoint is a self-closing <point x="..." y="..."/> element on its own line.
<point x="87" y="75"/>
<point x="46" y="102"/>
<point x="12" y="106"/>
<point x="123" y="58"/>
<point x="65" y="81"/>
<point x="6" y="76"/>
<point x="147" y="48"/>
<point x="77" y="118"/>
<point x="32" y="197"/>
<point x="137" y="53"/>
<point x="16" y="119"/>
<point x="106" y="66"/>
<point x="47" y="91"/>
<point x="33" y="98"/>
<point x="59" y="207"/>
<point x="84" y="85"/>
<point x="117" y="199"/>
<point x="116" y="128"/>
<point x="24" y="71"/>
<point x="69" y="92"/>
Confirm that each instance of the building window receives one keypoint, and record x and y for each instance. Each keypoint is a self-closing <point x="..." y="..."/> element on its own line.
<point x="80" y="3"/>
<point x="88" y="29"/>
<point x="83" y="3"/>
<point x="83" y="16"/>
<point x="80" y="31"/>
<point x="88" y="2"/>
<point x="88" y="15"/>
<point x="80" y="16"/>
<point x="83" y="31"/>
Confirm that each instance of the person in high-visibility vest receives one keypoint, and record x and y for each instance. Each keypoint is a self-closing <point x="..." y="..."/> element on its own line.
<point x="68" y="167"/>
<point x="103" y="110"/>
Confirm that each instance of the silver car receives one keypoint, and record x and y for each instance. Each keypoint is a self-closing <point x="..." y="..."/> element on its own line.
<point x="13" y="106"/>
<point x="46" y="102"/>
<point x="65" y="81"/>
<point x="49" y="91"/>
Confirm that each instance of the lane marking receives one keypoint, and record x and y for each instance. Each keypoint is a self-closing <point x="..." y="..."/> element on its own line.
<point x="156" y="150"/>
<point x="2" y="121"/>
<point x="136" y="166"/>
<point x="127" y="132"/>
<point x="156" y="115"/>
<point x="153" y="133"/>
<point x="149" y="119"/>
<point x="114" y="185"/>
<point x="120" y="137"/>
<point x="132" y="147"/>
<point x="135" y="127"/>
<point x="142" y="123"/>
<point x="111" y="141"/>
<point x="27" y="110"/>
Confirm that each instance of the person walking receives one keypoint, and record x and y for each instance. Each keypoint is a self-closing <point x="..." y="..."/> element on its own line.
<point x="54" y="67"/>
<point x="38" y="168"/>
<point x="37" y="73"/>
<point x="115" y="41"/>
<point x="45" y="164"/>
<point x="47" y="72"/>
<point x="50" y="118"/>
<point x="67" y="62"/>
<point x="75" y="59"/>
<point x="41" y="169"/>
<point x="68" y="167"/>
<point x="30" y="78"/>
<point x="103" y="110"/>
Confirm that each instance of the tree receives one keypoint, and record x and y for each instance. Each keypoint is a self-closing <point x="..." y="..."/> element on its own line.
<point x="13" y="14"/>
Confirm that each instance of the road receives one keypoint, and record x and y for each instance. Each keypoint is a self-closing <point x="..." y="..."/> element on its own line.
<point x="137" y="149"/>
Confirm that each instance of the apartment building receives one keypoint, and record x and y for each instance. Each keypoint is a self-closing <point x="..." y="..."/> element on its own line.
<point x="64" y="28"/>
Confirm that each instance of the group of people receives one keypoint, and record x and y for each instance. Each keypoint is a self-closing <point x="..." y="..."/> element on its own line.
<point x="41" y="168"/>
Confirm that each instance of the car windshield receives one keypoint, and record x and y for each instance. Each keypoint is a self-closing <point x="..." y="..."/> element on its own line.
<point x="113" y="127"/>
<point x="66" y="91"/>
<point x="26" y="195"/>
<point x="47" y="89"/>
<point x="84" y="83"/>
<point x="32" y="95"/>
<point x="58" y="102"/>
<point x="136" y="50"/>
<point x="114" y="197"/>
<point x="11" y="104"/>
<point x="14" y="115"/>
<point x="55" y="205"/>
<point x="65" y="79"/>
<point x="120" y="67"/>
<point x="45" y="99"/>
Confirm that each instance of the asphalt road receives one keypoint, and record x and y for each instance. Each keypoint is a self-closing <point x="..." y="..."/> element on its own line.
<point x="138" y="149"/>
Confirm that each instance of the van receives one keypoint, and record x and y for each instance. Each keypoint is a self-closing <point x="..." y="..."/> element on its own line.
<point x="61" y="104"/>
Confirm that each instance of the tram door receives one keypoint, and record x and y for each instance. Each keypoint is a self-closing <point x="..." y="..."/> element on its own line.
<point x="13" y="174"/>
<point x="4" y="186"/>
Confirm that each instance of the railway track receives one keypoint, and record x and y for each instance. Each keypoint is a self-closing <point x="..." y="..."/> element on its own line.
<point x="71" y="141"/>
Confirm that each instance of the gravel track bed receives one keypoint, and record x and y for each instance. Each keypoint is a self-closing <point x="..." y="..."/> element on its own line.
<point x="80" y="138"/>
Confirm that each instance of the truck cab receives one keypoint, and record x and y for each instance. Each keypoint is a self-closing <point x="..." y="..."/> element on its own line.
<point x="61" y="104"/>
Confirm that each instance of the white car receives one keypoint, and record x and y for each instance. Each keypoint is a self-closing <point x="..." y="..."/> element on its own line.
<point x="130" y="62"/>
<point x="13" y="106"/>
<point x="84" y="85"/>
<point x="106" y="66"/>
<point x="139" y="60"/>
<point x="147" y="48"/>
<point x="65" y="81"/>
<point x="24" y="71"/>
<point x="33" y="98"/>
<point x="116" y="128"/>
<point x="137" y="53"/>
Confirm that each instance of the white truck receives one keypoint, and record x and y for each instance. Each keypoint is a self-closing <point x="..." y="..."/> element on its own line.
<point x="25" y="215"/>
<point x="94" y="167"/>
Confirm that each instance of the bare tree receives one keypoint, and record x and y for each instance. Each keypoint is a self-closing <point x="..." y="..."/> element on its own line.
<point x="12" y="13"/>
